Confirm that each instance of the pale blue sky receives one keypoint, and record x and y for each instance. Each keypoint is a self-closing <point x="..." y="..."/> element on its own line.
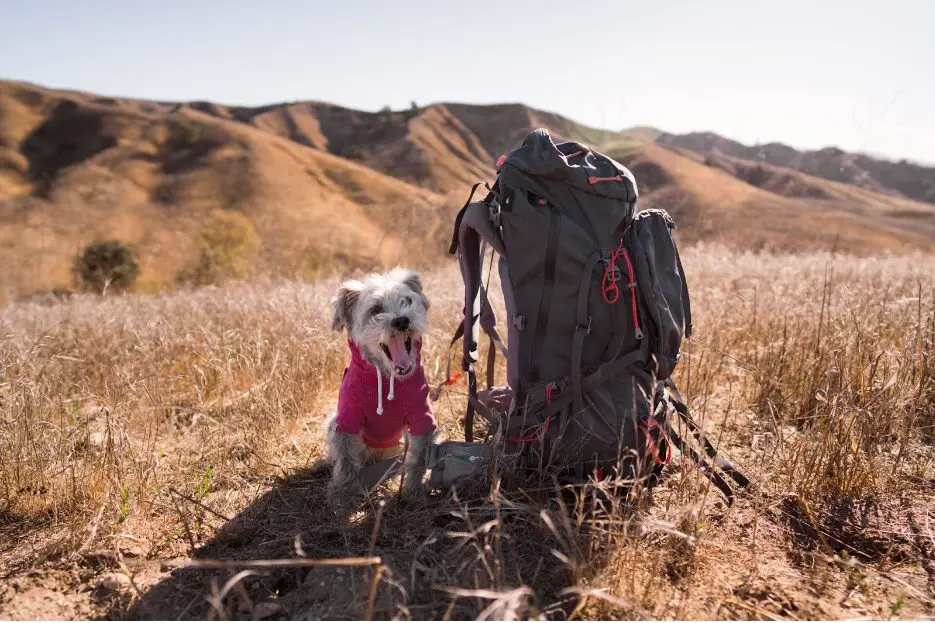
<point x="855" y="74"/>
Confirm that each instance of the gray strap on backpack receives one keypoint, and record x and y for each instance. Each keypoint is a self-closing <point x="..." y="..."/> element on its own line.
<point x="474" y="227"/>
<point x="583" y="322"/>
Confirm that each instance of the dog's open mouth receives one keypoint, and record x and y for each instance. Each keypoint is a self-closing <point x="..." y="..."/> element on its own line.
<point x="399" y="352"/>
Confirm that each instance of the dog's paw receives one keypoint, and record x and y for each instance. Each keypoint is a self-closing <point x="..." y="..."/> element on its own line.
<point x="345" y="497"/>
<point x="413" y="486"/>
<point x="321" y="468"/>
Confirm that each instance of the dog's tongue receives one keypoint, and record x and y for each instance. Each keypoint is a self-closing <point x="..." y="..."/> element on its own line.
<point x="398" y="353"/>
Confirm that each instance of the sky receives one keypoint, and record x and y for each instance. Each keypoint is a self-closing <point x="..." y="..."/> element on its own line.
<point x="847" y="73"/>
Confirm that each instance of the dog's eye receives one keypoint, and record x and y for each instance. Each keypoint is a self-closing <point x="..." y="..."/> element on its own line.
<point x="407" y="300"/>
<point x="376" y="309"/>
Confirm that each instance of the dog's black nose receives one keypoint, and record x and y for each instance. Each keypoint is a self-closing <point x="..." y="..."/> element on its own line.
<point x="400" y="323"/>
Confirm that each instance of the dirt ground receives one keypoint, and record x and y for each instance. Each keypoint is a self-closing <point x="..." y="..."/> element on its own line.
<point x="761" y="559"/>
<point x="140" y="434"/>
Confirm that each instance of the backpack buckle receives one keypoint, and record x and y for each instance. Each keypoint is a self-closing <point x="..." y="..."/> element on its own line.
<point x="494" y="213"/>
<point x="586" y="329"/>
<point x="607" y="259"/>
<point x="519" y="322"/>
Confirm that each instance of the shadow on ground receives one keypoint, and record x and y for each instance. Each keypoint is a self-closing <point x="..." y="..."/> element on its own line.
<point x="439" y="555"/>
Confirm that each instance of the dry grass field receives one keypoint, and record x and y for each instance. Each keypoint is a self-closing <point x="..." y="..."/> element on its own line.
<point x="140" y="431"/>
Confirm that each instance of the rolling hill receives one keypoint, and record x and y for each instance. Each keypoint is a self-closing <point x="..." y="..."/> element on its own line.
<point x="904" y="178"/>
<point x="200" y="196"/>
<point x="208" y="191"/>
<point x="740" y="203"/>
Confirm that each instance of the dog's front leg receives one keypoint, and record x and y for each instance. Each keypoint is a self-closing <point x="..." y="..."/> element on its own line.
<point x="414" y="467"/>
<point x="348" y="453"/>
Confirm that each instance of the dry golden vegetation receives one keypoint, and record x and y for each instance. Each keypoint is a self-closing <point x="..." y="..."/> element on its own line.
<point x="137" y="431"/>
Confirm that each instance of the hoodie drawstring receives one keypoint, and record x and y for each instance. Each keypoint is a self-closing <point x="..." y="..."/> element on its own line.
<point x="389" y="396"/>
<point x="379" y="393"/>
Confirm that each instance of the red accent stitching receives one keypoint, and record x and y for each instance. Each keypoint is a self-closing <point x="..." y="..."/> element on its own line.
<point x="596" y="180"/>
<point x="501" y="160"/>
<point x="548" y="393"/>
<point x="636" y="318"/>
<point x="611" y="291"/>
<point x="532" y="435"/>
<point x="577" y="153"/>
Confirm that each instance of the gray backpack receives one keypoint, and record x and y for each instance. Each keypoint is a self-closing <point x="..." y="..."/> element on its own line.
<point x="597" y="307"/>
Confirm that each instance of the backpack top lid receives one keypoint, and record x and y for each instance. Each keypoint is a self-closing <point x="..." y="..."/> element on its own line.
<point x="572" y="163"/>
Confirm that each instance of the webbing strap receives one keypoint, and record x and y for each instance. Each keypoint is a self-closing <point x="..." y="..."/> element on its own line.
<point x="698" y="433"/>
<point x="545" y="298"/>
<point x="686" y="300"/>
<point x="491" y="362"/>
<point x="491" y="331"/>
<point x="583" y="323"/>
<point x="469" y="414"/>
<point x="373" y="475"/>
<point x="709" y="449"/>
<point x="436" y="393"/>
<point x="618" y="318"/>
<point x="474" y="405"/>
<point x="604" y="371"/>
<point x="705" y="468"/>
<point x="453" y="247"/>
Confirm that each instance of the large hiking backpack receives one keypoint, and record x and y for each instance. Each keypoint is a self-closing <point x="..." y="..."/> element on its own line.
<point x="597" y="308"/>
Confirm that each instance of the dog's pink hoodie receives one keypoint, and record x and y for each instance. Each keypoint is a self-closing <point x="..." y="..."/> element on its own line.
<point x="405" y="402"/>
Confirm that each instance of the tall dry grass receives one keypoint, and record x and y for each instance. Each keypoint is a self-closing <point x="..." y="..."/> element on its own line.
<point x="155" y="419"/>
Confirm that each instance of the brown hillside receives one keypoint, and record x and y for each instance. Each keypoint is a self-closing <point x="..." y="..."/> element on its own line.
<point x="448" y="147"/>
<point x="208" y="191"/>
<point x="785" y="210"/>
<point x="201" y="197"/>
<point x="903" y="177"/>
<point x="442" y="147"/>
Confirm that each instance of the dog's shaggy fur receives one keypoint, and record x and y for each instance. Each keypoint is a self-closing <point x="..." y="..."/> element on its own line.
<point x="385" y="317"/>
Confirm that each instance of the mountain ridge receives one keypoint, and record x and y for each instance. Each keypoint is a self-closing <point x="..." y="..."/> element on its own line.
<point x="909" y="179"/>
<point x="222" y="192"/>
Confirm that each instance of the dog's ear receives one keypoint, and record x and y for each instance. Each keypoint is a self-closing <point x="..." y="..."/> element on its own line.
<point x="413" y="281"/>
<point x="344" y="302"/>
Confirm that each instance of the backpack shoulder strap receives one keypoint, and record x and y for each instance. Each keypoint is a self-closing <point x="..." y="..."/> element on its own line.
<point x="475" y="228"/>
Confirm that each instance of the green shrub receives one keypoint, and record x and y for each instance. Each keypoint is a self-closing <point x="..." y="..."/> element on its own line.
<point x="106" y="264"/>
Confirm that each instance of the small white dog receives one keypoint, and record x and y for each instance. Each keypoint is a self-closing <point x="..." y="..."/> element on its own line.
<point x="384" y="393"/>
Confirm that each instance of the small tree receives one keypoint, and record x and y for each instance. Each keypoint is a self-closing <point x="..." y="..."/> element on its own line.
<point x="107" y="264"/>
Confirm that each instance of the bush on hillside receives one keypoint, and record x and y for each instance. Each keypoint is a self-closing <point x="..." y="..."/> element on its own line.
<point x="106" y="264"/>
